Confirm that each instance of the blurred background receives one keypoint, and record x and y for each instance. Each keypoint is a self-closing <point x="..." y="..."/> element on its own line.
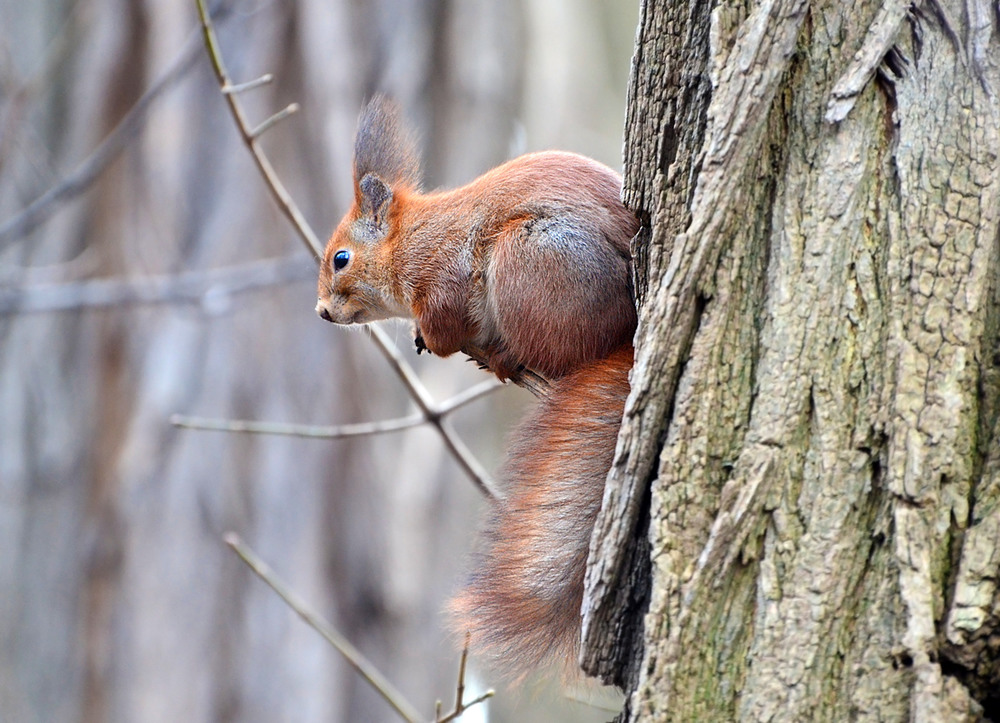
<point x="145" y="272"/>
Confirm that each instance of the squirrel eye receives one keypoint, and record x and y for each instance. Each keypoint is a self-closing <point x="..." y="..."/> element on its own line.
<point x="340" y="259"/>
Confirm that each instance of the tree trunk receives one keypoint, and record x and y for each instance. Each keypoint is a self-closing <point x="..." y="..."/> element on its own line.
<point x="811" y="438"/>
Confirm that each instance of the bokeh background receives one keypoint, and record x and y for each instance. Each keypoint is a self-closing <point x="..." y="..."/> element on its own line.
<point x="145" y="272"/>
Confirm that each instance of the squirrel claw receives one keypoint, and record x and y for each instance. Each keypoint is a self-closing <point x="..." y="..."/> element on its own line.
<point x="495" y="366"/>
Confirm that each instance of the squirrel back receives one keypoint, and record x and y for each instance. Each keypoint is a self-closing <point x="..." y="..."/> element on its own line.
<point x="521" y="604"/>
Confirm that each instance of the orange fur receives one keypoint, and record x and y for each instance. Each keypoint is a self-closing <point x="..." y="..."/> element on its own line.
<point x="529" y="262"/>
<point x="521" y="605"/>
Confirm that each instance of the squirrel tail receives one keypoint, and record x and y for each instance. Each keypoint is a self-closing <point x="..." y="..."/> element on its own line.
<point x="521" y="605"/>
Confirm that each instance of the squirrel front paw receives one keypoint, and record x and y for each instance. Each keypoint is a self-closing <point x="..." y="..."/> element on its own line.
<point x="418" y="341"/>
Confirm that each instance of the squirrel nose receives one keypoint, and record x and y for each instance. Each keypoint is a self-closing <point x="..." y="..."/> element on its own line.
<point x="323" y="312"/>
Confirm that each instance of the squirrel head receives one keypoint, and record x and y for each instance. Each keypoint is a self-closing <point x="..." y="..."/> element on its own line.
<point x="355" y="279"/>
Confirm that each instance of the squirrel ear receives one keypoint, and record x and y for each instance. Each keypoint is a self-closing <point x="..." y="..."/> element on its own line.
<point x="375" y="197"/>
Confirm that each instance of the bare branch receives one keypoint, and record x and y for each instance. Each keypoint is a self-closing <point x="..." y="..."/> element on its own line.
<point x="315" y="431"/>
<point x="469" y="395"/>
<point x="274" y="120"/>
<point x="277" y="188"/>
<point x="310" y="431"/>
<point x="249" y="85"/>
<point x="35" y="213"/>
<point x="356" y="430"/>
<point x="460" y="704"/>
<point x="419" y="393"/>
<point x="352" y="655"/>
<point x="211" y="289"/>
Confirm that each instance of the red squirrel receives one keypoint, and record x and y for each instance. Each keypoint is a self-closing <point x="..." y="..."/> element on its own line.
<point x="530" y="265"/>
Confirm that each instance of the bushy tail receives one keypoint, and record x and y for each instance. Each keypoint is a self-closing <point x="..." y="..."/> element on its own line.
<point x="521" y="606"/>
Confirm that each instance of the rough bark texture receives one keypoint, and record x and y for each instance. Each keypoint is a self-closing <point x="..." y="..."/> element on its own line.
<point x="813" y="418"/>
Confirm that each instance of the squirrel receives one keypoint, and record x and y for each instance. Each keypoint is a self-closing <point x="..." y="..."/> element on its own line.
<point x="530" y="265"/>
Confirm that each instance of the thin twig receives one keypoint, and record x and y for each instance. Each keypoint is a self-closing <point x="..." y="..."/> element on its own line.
<point x="352" y="655"/>
<point x="249" y="85"/>
<point x="597" y="705"/>
<point x="460" y="704"/>
<point x="460" y="688"/>
<point x="36" y="212"/>
<point x="281" y="195"/>
<point x="211" y="288"/>
<point x="309" y="431"/>
<point x="274" y="120"/>
<point x="315" y="431"/>
<point x="469" y="395"/>
<point x="291" y="211"/>
<point x="420" y="395"/>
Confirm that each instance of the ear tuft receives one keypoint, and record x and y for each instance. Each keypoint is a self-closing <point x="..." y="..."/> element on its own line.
<point x="384" y="147"/>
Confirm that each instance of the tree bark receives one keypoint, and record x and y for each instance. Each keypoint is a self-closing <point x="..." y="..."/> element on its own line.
<point x="811" y="438"/>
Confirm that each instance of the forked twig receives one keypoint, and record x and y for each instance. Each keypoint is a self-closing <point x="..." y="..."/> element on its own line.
<point x="466" y="460"/>
<point x="316" y="431"/>
<point x="410" y="381"/>
<point x="277" y="188"/>
<point x="460" y="704"/>
<point x="430" y="412"/>
<point x="352" y="655"/>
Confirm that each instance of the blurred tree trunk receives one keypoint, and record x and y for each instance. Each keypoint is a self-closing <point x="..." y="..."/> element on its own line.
<point x="815" y="396"/>
<point x="118" y="600"/>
